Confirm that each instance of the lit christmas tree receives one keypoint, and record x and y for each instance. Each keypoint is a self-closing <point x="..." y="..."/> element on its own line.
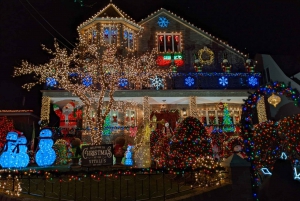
<point x="159" y="148"/>
<point x="106" y="130"/>
<point x="6" y="125"/>
<point x="190" y="142"/>
<point x="227" y="122"/>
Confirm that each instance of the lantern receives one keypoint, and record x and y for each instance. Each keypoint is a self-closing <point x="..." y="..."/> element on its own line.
<point x="274" y="100"/>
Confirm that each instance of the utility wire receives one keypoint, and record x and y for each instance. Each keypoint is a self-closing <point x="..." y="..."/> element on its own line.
<point x="49" y="23"/>
<point x="43" y="25"/>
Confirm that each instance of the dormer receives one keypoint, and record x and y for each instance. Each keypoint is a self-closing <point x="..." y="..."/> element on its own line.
<point x="113" y="26"/>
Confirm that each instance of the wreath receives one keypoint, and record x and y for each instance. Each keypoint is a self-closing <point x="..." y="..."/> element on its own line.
<point x="206" y="52"/>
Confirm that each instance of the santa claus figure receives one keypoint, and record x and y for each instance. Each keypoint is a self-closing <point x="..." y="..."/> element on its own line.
<point x="167" y="131"/>
<point x="68" y="116"/>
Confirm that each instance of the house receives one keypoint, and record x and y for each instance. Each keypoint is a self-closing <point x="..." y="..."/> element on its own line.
<point x="206" y="71"/>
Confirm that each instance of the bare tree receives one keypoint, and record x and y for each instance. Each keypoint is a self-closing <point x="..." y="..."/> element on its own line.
<point x="92" y="72"/>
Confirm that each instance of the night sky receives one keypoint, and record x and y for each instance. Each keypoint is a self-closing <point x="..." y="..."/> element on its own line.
<point x="252" y="26"/>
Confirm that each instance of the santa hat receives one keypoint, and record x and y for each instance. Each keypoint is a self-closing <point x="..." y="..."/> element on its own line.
<point x="71" y="104"/>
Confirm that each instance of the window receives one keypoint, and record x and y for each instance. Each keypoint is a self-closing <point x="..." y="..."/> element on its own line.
<point x="130" y="117"/>
<point x="110" y="35"/>
<point x="168" y="42"/>
<point x="128" y="36"/>
<point x="92" y="36"/>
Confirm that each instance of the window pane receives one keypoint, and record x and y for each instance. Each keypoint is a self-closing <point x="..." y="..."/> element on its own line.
<point x="114" y="34"/>
<point x="106" y="33"/>
<point x="176" y="43"/>
<point x="130" y="36"/>
<point x="169" y="43"/>
<point x="94" y="36"/>
<point x="161" y="43"/>
<point x="125" y="34"/>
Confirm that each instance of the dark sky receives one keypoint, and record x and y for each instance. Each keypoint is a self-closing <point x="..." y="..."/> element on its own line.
<point x="252" y="26"/>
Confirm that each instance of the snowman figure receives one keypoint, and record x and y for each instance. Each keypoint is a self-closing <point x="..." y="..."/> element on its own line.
<point x="8" y="158"/>
<point x="128" y="155"/>
<point x="45" y="156"/>
<point x="21" y="152"/>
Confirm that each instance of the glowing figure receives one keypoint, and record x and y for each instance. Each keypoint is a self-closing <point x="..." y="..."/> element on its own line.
<point x="45" y="156"/>
<point x="128" y="155"/>
<point x="20" y="151"/>
<point x="8" y="158"/>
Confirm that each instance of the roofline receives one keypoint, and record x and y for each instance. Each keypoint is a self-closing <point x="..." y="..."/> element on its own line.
<point x="191" y="26"/>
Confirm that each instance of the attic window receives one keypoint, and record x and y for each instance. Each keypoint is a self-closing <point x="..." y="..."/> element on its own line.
<point x="169" y="42"/>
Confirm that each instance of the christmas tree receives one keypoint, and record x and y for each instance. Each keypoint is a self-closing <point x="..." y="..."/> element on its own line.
<point x="6" y="125"/>
<point x="227" y="122"/>
<point x="190" y="142"/>
<point x="159" y="148"/>
<point x="106" y="130"/>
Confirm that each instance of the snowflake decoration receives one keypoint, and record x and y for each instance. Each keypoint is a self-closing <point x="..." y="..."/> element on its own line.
<point x="157" y="82"/>
<point x="223" y="81"/>
<point x="87" y="81"/>
<point x="163" y="22"/>
<point x="189" y="81"/>
<point x="252" y="81"/>
<point x="51" y="82"/>
<point x="123" y="82"/>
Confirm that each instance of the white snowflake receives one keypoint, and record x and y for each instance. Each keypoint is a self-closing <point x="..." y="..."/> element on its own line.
<point x="189" y="81"/>
<point x="163" y="22"/>
<point x="252" y="81"/>
<point x="223" y="81"/>
<point x="157" y="82"/>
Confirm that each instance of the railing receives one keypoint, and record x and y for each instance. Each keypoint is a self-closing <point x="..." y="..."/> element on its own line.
<point x="110" y="185"/>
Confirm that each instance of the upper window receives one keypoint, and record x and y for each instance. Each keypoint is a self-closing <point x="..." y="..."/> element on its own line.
<point x="128" y="37"/>
<point x="168" y="42"/>
<point x="110" y="35"/>
<point x="92" y="36"/>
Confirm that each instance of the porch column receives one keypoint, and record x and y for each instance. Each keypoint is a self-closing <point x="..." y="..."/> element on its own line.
<point x="142" y="153"/>
<point x="193" y="107"/>
<point x="45" y="110"/>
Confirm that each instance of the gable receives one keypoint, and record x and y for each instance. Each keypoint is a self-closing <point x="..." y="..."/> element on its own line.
<point x="110" y="11"/>
<point x="177" y="24"/>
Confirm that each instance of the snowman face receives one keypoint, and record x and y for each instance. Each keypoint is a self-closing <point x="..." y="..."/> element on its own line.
<point x="22" y="140"/>
<point x="237" y="148"/>
<point x="12" y="136"/>
<point x="45" y="133"/>
<point x="67" y="109"/>
<point x="167" y="124"/>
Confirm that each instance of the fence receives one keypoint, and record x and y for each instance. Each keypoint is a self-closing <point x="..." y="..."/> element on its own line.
<point x="109" y="185"/>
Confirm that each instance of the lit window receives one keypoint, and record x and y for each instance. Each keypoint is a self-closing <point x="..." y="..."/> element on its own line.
<point x="92" y="36"/>
<point x="128" y="37"/>
<point x="130" y="118"/>
<point x="168" y="42"/>
<point x="110" y="35"/>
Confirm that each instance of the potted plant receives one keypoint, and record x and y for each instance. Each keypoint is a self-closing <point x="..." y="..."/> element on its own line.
<point x="75" y="143"/>
<point x="119" y="150"/>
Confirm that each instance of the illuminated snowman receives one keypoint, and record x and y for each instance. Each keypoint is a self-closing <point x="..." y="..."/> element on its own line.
<point x="128" y="160"/>
<point x="8" y="158"/>
<point x="45" y="156"/>
<point x="21" y="152"/>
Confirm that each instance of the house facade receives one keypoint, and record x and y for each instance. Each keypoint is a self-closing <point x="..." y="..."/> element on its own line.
<point x="206" y="72"/>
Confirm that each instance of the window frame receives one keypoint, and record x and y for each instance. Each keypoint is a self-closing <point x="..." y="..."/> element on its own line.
<point x="164" y="34"/>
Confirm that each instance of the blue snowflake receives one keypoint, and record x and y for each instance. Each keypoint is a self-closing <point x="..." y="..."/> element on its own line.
<point x="223" y="81"/>
<point x="163" y="22"/>
<point x="51" y="82"/>
<point x="87" y="81"/>
<point x="252" y="81"/>
<point x="189" y="81"/>
<point x="157" y="82"/>
<point x="123" y="82"/>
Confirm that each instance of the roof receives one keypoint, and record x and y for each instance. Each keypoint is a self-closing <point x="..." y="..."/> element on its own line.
<point x="191" y="26"/>
<point x="110" y="11"/>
